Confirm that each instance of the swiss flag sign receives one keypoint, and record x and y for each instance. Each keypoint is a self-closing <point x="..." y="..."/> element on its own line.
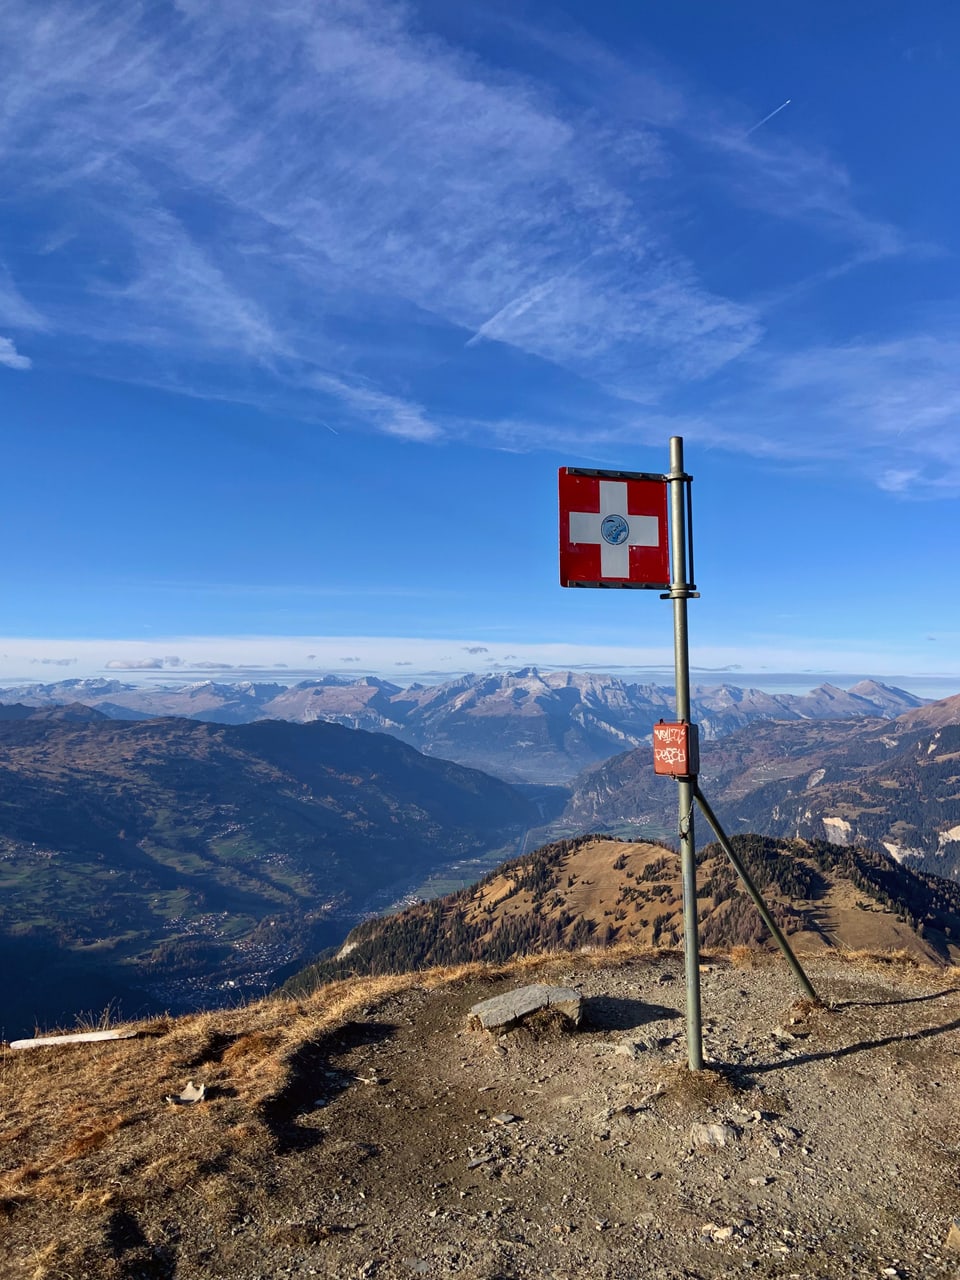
<point x="613" y="529"/>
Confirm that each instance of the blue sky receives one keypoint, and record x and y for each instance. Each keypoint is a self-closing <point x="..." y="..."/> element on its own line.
<point x="303" y="304"/>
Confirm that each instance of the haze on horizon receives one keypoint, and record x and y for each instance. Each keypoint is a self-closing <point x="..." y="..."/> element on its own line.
<point x="434" y="664"/>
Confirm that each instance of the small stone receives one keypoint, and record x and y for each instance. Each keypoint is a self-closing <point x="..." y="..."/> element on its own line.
<point x="718" y="1234"/>
<point x="505" y="1117"/>
<point x="761" y="1182"/>
<point x="762" y="1117"/>
<point x="786" y="1133"/>
<point x="631" y="1048"/>
<point x="191" y="1094"/>
<point x="714" y="1135"/>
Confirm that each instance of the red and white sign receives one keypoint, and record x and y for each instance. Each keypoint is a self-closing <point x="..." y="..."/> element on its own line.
<point x="613" y="529"/>
<point x="676" y="749"/>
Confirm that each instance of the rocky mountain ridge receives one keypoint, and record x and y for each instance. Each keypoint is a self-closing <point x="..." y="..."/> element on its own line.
<point x="890" y="784"/>
<point x="525" y="726"/>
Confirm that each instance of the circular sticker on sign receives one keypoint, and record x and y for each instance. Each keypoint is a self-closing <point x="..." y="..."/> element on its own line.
<point x="614" y="529"/>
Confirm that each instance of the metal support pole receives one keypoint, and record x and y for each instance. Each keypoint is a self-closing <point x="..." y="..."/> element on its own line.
<point x="680" y="590"/>
<point x="758" y="901"/>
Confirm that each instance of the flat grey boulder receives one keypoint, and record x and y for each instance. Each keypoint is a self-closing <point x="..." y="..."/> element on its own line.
<point x="501" y="1012"/>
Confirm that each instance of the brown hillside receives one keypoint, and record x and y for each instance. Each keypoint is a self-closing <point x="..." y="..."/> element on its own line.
<point x="599" y="892"/>
<point x="632" y="892"/>
<point x="933" y="716"/>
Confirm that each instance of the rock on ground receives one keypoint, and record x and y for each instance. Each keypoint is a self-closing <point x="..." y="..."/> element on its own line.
<point x="504" y="1011"/>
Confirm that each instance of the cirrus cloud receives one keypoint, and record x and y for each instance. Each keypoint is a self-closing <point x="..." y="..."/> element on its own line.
<point x="317" y="206"/>
<point x="11" y="358"/>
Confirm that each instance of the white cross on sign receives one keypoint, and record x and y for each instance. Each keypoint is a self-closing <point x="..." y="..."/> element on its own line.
<point x="613" y="530"/>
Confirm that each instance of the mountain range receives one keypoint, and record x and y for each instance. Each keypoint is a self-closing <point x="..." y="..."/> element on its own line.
<point x="892" y="784"/>
<point x="178" y="860"/>
<point x="174" y="862"/>
<point x="367" y="1127"/>
<point x="524" y="726"/>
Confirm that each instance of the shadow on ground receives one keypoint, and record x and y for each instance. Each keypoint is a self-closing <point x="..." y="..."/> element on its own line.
<point x="881" y="1004"/>
<point x="742" y="1073"/>
<point x="614" y="1013"/>
<point x="313" y="1081"/>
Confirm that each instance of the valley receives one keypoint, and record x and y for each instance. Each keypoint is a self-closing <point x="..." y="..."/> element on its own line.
<point x="173" y="864"/>
<point x="176" y="863"/>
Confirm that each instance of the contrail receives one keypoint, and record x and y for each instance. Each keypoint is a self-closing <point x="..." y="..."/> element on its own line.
<point x="527" y="300"/>
<point x="769" y="117"/>
<point x="512" y="310"/>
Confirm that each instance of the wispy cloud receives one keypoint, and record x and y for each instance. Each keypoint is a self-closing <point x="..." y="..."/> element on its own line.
<point x="391" y="414"/>
<point x="218" y="167"/>
<point x="888" y="411"/>
<point x="897" y="401"/>
<point x="11" y="357"/>
<point x="15" y="311"/>
<point x="250" y="201"/>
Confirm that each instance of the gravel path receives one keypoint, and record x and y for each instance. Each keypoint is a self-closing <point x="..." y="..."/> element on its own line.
<point x="825" y="1145"/>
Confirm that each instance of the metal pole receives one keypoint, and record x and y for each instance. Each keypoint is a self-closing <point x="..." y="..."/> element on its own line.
<point x="680" y="590"/>
<point x="758" y="901"/>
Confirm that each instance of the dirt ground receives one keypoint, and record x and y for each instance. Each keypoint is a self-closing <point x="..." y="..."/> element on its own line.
<point x="403" y="1143"/>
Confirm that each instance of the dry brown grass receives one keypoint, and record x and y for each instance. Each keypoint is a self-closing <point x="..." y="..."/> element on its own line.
<point x="687" y="1091"/>
<point x="898" y="956"/>
<point x="86" y="1129"/>
<point x="743" y="957"/>
<point x="69" y="1112"/>
<point x="60" y="1107"/>
<point x="67" y="1101"/>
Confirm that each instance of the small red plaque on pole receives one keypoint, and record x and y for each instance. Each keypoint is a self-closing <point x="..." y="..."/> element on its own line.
<point x="676" y="749"/>
<point x="613" y="529"/>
